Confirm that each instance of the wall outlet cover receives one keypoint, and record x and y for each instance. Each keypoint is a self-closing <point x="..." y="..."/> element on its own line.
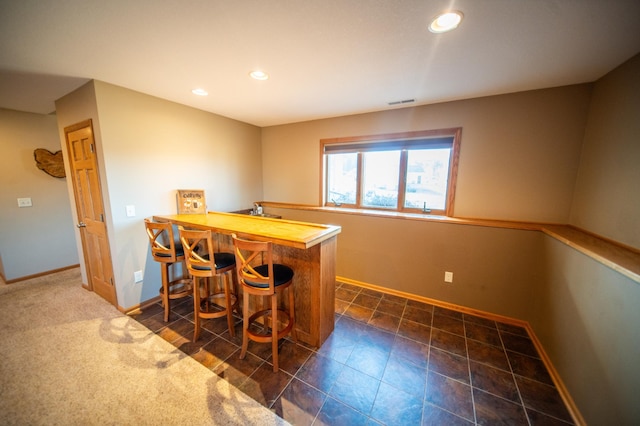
<point x="24" y="202"/>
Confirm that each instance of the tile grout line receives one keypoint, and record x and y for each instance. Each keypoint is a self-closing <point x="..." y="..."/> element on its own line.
<point x="466" y="347"/>
<point x="426" y="379"/>
<point x="513" y="377"/>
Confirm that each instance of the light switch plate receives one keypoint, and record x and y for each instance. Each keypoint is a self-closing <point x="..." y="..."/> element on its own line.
<point x="24" y="202"/>
<point x="131" y="211"/>
<point x="137" y="276"/>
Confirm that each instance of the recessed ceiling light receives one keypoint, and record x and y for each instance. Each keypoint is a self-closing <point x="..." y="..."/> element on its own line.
<point x="199" y="92"/>
<point x="445" y="22"/>
<point x="259" y="75"/>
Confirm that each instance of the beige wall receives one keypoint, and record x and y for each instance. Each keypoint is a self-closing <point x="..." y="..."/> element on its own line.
<point x="518" y="160"/>
<point x="587" y="318"/>
<point x="587" y="315"/>
<point x="38" y="238"/>
<point x="495" y="270"/>
<point x="607" y="196"/>
<point x="522" y="158"/>
<point x="147" y="149"/>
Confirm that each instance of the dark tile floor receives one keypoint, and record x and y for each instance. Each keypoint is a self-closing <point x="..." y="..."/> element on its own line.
<point x="389" y="361"/>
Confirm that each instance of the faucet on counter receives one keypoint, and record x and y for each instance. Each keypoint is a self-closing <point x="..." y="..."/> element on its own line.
<point x="257" y="209"/>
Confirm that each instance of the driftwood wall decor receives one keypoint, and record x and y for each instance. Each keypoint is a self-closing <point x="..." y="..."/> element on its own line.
<point x="49" y="162"/>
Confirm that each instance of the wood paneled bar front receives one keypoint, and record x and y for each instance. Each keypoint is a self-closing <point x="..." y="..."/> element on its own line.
<point x="308" y="248"/>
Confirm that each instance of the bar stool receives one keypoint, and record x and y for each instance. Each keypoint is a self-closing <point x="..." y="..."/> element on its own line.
<point x="167" y="251"/>
<point x="265" y="280"/>
<point x="205" y="263"/>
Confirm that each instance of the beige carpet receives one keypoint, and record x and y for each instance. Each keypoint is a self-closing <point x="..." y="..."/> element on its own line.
<point x="67" y="357"/>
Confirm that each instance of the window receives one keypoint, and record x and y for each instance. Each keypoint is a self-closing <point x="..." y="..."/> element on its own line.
<point x="408" y="172"/>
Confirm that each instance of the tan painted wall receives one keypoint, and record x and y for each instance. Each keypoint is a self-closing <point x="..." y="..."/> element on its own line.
<point x="587" y="315"/>
<point x="518" y="161"/>
<point x="521" y="158"/>
<point x="147" y="149"/>
<point x="25" y="231"/>
<point x="587" y="318"/>
<point x="607" y="196"/>
<point x="495" y="270"/>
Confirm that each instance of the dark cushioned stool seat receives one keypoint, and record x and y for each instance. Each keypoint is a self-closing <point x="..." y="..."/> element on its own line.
<point x="276" y="322"/>
<point x="282" y="275"/>
<point x="223" y="260"/>
<point x="209" y="300"/>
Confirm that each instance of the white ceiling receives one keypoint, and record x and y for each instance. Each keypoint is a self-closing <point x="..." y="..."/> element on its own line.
<point x="325" y="57"/>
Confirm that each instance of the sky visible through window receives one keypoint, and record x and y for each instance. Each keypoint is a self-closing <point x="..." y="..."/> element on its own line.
<point x="427" y="173"/>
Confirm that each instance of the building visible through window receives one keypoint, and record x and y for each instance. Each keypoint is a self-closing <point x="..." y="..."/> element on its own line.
<point x="409" y="172"/>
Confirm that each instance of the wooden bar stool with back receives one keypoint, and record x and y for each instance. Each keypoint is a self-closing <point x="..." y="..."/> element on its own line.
<point x="203" y="262"/>
<point x="166" y="251"/>
<point x="259" y="276"/>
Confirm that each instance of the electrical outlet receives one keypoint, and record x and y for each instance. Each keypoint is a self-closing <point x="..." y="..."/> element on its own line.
<point x="24" y="202"/>
<point x="137" y="276"/>
<point x="448" y="277"/>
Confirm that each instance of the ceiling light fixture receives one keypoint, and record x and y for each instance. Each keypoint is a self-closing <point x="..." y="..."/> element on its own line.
<point x="259" y="75"/>
<point x="199" y="92"/>
<point x="445" y="22"/>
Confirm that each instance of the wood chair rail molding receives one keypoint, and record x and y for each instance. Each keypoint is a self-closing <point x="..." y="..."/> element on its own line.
<point x="619" y="257"/>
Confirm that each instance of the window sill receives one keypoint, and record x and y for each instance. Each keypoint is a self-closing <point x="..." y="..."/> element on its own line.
<point x="620" y="258"/>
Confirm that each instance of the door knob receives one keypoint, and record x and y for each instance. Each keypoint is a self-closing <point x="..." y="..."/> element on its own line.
<point x="81" y="225"/>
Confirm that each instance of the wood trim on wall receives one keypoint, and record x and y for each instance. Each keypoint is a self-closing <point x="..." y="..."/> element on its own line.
<point x="619" y="257"/>
<point x="40" y="274"/>
<point x="453" y="132"/>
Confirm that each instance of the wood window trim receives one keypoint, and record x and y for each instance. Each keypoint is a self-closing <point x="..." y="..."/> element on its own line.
<point x="455" y="132"/>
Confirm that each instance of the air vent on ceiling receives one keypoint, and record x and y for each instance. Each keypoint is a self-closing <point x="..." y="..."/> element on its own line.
<point x="405" y="101"/>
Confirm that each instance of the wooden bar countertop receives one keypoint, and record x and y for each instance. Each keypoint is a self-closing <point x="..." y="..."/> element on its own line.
<point x="300" y="235"/>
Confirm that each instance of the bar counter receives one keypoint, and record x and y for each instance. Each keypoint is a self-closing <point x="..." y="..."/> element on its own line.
<point x="308" y="248"/>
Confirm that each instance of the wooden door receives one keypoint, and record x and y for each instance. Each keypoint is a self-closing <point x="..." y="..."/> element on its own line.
<point x="91" y="218"/>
